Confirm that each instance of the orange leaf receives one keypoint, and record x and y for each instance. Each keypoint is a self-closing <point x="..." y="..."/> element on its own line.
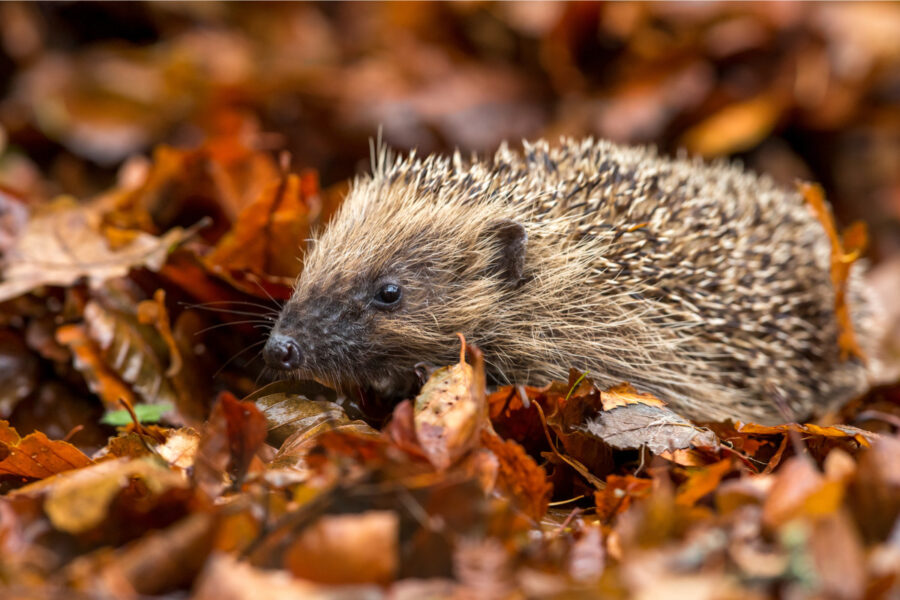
<point x="798" y="481"/>
<point x="619" y="493"/>
<point x="153" y="312"/>
<point x="736" y="127"/>
<point x="861" y="436"/>
<point x="624" y="394"/>
<point x="88" y="358"/>
<point x="845" y="251"/>
<point x="269" y="233"/>
<point x="35" y="456"/>
<point x="520" y="475"/>
<point x="702" y="481"/>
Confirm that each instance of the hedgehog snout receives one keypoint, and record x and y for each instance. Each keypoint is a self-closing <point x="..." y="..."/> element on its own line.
<point x="282" y="352"/>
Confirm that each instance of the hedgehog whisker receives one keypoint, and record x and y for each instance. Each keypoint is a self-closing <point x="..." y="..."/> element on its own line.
<point x="259" y="305"/>
<point x="266" y="292"/>
<point x="233" y="324"/>
<point x="227" y="311"/>
<point x="239" y="353"/>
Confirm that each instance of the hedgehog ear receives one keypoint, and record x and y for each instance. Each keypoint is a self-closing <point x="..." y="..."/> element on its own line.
<point x="511" y="239"/>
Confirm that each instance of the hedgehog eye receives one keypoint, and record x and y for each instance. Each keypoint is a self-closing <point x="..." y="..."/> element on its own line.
<point x="388" y="295"/>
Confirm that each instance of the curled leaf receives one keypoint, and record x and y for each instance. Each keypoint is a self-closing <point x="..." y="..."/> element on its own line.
<point x="291" y="406"/>
<point x="450" y="411"/>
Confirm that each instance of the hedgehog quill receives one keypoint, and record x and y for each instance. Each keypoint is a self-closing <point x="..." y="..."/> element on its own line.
<point x="703" y="284"/>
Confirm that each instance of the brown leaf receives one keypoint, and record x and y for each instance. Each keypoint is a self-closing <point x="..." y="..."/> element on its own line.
<point x="800" y="489"/>
<point x="18" y="372"/>
<point x="178" y="448"/>
<point x="63" y="243"/>
<point x="845" y="250"/>
<point x="587" y="559"/>
<point x="78" y="501"/>
<point x="875" y="494"/>
<point x="352" y="548"/>
<point x="295" y="422"/>
<point x="402" y="430"/>
<point x="166" y="560"/>
<point x="839" y="557"/>
<point x="230" y="439"/>
<point x="153" y="312"/>
<point x="130" y="351"/>
<point x="35" y="456"/>
<point x="287" y="408"/>
<point x="354" y="438"/>
<point x="101" y="379"/>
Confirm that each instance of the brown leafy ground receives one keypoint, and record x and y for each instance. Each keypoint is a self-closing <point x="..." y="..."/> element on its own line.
<point x="146" y="206"/>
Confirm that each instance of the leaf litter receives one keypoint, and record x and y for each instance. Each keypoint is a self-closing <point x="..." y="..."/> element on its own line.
<point x="156" y="288"/>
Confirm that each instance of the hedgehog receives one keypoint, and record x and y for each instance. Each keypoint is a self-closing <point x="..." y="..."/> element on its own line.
<point x="701" y="283"/>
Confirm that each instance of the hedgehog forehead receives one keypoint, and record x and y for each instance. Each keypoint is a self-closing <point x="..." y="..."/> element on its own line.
<point x="388" y="228"/>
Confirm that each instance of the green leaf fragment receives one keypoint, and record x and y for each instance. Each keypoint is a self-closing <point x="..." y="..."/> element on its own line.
<point x="146" y="413"/>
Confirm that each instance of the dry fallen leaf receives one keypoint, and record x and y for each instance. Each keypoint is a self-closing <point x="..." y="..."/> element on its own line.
<point x="153" y="312"/>
<point x="291" y="406"/>
<point x="129" y="352"/>
<point x="619" y="493"/>
<point x="62" y="243"/>
<point x="269" y="233"/>
<point x="88" y="359"/>
<point x="845" y="250"/>
<point x="702" y="481"/>
<point x="625" y="394"/>
<point x="860" y="436"/>
<point x="164" y="560"/>
<point x="839" y="556"/>
<point x="656" y="427"/>
<point x="232" y="435"/>
<point x="450" y="411"/>
<point x="77" y="501"/>
<point x="519" y="475"/>
<point x="588" y="557"/>
<point x="800" y="490"/>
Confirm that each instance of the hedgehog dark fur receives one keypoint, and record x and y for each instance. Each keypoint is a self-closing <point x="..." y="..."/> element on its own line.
<point x="702" y="284"/>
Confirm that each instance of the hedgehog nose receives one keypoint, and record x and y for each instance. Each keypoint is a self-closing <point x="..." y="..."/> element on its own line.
<point x="281" y="352"/>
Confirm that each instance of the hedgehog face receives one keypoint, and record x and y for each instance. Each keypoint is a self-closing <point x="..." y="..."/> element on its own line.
<point x="338" y="331"/>
<point x="380" y="295"/>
